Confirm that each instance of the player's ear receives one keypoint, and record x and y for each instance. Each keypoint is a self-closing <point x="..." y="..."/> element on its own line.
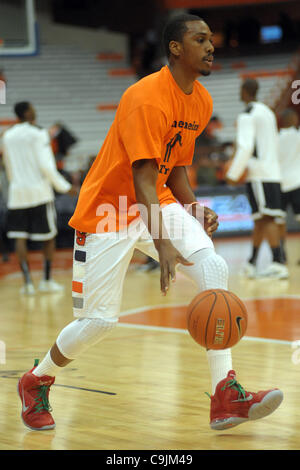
<point x="175" y="48"/>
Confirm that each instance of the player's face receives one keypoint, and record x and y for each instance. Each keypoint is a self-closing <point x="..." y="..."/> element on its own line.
<point x="242" y="94"/>
<point x="30" y="113"/>
<point x="197" y="47"/>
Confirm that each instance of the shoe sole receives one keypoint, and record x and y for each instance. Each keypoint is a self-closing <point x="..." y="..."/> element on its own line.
<point x="44" y="428"/>
<point x="269" y="403"/>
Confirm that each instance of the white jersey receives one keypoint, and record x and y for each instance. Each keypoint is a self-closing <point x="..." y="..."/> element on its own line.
<point x="257" y="146"/>
<point x="30" y="167"/>
<point x="289" y="158"/>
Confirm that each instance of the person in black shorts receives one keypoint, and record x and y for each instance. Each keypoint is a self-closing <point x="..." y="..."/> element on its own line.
<point x="30" y="166"/>
<point x="257" y="150"/>
<point x="289" y="158"/>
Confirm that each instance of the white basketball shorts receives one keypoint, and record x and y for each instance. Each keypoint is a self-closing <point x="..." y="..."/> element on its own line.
<point x="100" y="261"/>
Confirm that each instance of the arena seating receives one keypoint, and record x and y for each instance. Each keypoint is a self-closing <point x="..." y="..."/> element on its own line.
<point x="81" y="90"/>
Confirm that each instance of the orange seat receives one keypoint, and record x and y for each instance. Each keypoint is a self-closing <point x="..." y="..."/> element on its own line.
<point x="107" y="106"/>
<point x="8" y="122"/>
<point x="110" y="56"/>
<point x="121" y="72"/>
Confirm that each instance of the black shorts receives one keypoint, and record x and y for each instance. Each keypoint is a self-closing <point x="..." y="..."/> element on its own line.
<point x="292" y="199"/>
<point x="33" y="223"/>
<point x="265" y="199"/>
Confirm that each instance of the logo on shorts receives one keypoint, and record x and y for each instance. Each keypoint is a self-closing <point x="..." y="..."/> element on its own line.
<point x="80" y="238"/>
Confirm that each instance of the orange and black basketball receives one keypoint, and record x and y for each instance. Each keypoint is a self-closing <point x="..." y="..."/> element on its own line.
<point x="217" y="319"/>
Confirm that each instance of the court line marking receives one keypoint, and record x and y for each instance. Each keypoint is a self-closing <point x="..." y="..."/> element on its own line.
<point x="183" y="331"/>
<point x="67" y="386"/>
<point x="132" y="311"/>
<point x="84" y="389"/>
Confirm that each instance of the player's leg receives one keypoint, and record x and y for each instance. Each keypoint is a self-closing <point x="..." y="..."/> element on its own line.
<point x="18" y="221"/>
<point x="209" y="270"/>
<point x="286" y="201"/>
<point x="22" y="254"/>
<point x="281" y="222"/>
<point x="249" y="269"/>
<point x="43" y="228"/>
<point x="294" y="199"/>
<point x="266" y="203"/>
<point x="48" y="252"/>
<point x="47" y="283"/>
<point x="277" y="269"/>
<point x="230" y="403"/>
<point x="99" y="267"/>
<point x="257" y="239"/>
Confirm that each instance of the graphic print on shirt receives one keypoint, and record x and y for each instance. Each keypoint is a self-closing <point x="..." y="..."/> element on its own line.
<point x="170" y="145"/>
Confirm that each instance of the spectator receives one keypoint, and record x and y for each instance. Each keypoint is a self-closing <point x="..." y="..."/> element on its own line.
<point x="257" y="150"/>
<point x="32" y="173"/>
<point x="289" y="158"/>
<point x="61" y="141"/>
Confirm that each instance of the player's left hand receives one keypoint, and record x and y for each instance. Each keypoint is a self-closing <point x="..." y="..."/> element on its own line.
<point x="211" y="223"/>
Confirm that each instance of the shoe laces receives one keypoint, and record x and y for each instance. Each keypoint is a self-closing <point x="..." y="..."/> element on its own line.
<point x="233" y="384"/>
<point x="42" y="402"/>
<point x="41" y="399"/>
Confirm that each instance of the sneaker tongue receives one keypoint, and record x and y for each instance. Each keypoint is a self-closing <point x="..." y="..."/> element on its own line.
<point x="46" y="380"/>
<point x="231" y="374"/>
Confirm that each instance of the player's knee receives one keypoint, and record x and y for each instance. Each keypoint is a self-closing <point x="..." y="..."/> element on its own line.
<point x="83" y="333"/>
<point x="218" y="269"/>
<point x="209" y="271"/>
<point x="94" y="329"/>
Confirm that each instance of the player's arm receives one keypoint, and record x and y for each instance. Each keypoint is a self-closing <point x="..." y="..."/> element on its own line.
<point x="145" y="173"/>
<point x="179" y="184"/>
<point x="6" y="164"/>
<point x="245" y="143"/>
<point x="46" y="162"/>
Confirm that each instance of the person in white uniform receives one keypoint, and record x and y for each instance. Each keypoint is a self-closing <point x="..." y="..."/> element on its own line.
<point x="31" y="171"/>
<point x="289" y="159"/>
<point x="257" y="150"/>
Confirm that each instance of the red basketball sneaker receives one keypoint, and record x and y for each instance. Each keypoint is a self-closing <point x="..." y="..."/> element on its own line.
<point x="34" y="392"/>
<point x="232" y="405"/>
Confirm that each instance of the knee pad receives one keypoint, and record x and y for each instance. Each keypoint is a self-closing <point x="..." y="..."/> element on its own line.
<point x="209" y="271"/>
<point x="83" y="333"/>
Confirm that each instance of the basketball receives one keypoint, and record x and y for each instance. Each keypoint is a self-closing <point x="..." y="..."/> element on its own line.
<point x="242" y="178"/>
<point x="217" y="319"/>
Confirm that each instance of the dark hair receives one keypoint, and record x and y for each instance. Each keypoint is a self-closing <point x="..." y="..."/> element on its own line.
<point x="251" y="86"/>
<point x="175" y="29"/>
<point x="288" y="115"/>
<point x="21" y="108"/>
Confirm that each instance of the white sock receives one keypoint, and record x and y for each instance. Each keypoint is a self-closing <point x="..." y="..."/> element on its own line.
<point x="46" y="367"/>
<point x="220" y="363"/>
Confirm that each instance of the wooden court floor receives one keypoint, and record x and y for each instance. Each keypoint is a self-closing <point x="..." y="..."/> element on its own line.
<point x="143" y="387"/>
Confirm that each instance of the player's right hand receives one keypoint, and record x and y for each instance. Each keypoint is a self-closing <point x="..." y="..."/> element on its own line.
<point x="168" y="258"/>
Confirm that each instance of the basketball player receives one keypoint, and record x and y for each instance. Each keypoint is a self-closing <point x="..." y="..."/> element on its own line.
<point x="31" y="172"/>
<point x="257" y="149"/>
<point x="143" y="160"/>
<point x="289" y="158"/>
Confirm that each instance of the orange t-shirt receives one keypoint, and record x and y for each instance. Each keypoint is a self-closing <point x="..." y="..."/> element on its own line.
<point x="155" y="119"/>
